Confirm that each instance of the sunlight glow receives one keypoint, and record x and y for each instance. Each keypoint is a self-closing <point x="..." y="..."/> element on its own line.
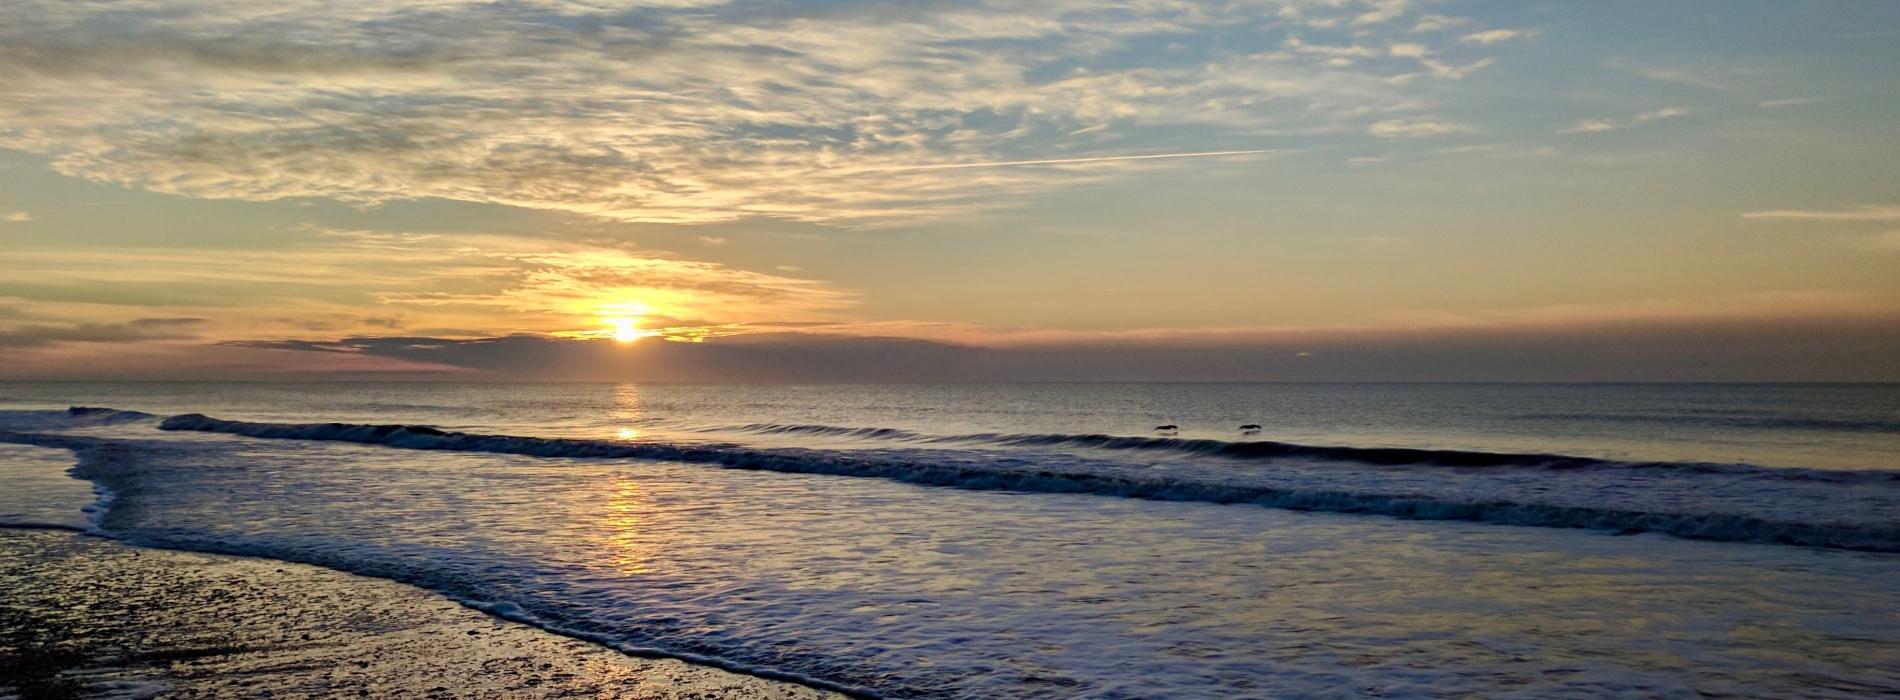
<point x="626" y="330"/>
<point x="623" y="320"/>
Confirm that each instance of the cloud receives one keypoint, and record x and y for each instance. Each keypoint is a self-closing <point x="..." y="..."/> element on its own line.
<point x="1589" y="126"/>
<point x="1072" y="161"/>
<point x="1409" y="50"/>
<point x="1426" y="58"/>
<point x="1383" y="11"/>
<point x="1436" y="23"/>
<point x="1866" y="213"/>
<point x="137" y="330"/>
<point x="1858" y="218"/>
<point x="1493" y="36"/>
<point x="1664" y="113"/>
<point x="677" y="298"/>
<point x="1790" y="102"/>
<point x="689" y="112"/>
<point x="322" y="279"/>
<point x="1415" y="128"/>
<point x="16" y="216"/>
<point x="1798" y="347"/>
<point x="1785" y="336"/>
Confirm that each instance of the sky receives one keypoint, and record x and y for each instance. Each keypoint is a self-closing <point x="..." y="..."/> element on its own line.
<point x="1076" y="190"/>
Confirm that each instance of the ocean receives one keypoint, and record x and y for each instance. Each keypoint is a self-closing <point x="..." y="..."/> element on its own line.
<point x="1045" y="540"/>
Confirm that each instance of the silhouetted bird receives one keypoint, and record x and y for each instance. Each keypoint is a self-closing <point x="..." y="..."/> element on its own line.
<point x="1250" y="429"/>
<point x="1169" y="428"/>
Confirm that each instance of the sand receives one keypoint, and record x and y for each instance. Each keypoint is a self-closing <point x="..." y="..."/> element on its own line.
<point x="86" y="617"/>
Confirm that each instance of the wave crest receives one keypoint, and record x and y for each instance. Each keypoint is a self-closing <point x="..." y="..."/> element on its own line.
<point x="99" y="414"/>
<point x="1268" y="450"/>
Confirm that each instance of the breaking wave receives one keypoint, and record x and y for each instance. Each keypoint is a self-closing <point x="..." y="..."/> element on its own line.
<point x="101" y="415"/>
<point x="73" y="417"/>
<point x="993" y="472"/>
<point x="1267" y="450"/>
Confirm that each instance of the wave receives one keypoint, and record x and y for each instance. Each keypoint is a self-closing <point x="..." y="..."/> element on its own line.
<point x="990" y="473"/>
<point x="1267" y="450"/>
<point x="1741" y="422"/>
<point x="1248" y="449"/>
<point x="101" y="415"/>
<point x="70" y="418"/>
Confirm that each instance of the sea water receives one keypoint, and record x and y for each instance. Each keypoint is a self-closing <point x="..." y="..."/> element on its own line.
<point x="1044" y="541"/>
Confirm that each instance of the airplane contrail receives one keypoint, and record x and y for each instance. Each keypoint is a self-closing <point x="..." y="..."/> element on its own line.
<point x="1065" y="161"/>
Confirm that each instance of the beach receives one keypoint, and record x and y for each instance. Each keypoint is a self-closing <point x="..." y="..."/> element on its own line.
<point x="89" y="617"/>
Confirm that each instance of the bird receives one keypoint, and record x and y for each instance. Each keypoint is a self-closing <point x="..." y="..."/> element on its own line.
<point x="1250" y="429"/>
<point x="1169" y="428"/>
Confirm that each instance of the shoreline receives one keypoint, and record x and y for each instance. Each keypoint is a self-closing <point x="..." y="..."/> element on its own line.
<point x="88" y="616"/>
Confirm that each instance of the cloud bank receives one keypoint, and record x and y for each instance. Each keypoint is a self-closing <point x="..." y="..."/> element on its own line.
<point x="1783" y="348"/>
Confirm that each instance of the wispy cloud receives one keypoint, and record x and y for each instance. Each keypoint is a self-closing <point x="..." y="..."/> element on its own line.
<point x="136" y="330"/>
<point x="1589" y="126"/>
<point x="1789" y="102"/>
<point x="1426" y="57"/>
<point x="1855" y="220"/>
<point x="1415" y="128"/>
<point x="1437" y="23"/>
<point x="1383" y="11"/>
<point x="16" y="216"/>
<point x="1695" y="76"/>
<point x="1070" y="161"/>
<point x="1493" y="36"/>
<point x="1867" y="213"/>
<point x="688" y="112"/>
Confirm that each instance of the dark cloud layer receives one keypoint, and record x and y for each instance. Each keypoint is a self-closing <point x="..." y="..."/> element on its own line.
<point x="1820" y="349"/>
<point x="143" y="329"/>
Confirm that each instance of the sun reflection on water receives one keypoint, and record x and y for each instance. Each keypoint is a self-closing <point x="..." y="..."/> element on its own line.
<point x="627" y="548"/>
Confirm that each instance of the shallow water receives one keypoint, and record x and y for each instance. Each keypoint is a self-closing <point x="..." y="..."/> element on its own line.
<point x="912" y="590"/>
<point x="91" y="618"/>
<point x="38" y="492"/>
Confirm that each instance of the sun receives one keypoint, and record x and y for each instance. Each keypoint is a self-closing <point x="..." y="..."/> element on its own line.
<point x="624" y="321"/>
<point x="626" y="330"/>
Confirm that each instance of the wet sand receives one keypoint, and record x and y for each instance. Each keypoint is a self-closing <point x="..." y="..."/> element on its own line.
<point x="85" y="617"/>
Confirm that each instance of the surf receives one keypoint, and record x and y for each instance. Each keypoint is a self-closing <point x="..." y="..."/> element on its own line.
<point x="989" y="473"/>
